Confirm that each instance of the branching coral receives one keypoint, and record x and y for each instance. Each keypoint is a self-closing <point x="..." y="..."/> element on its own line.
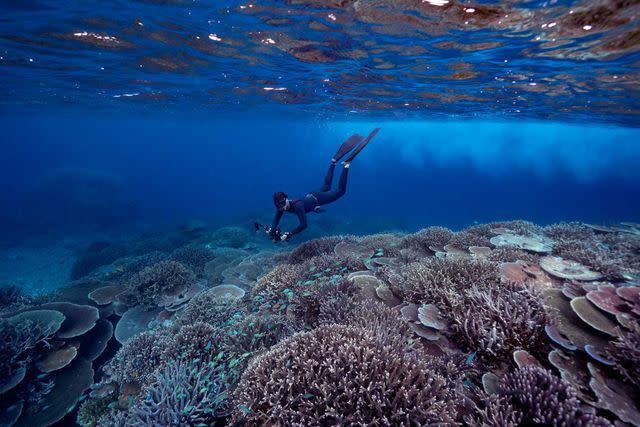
<point x="279" y="278"/>
<point x="569" y="231"/>
<point x="625" y="353"/>
<point x="20" y="337"/>
<point x="92" y="410"/>
<point x="139" y="357"/>
<point x="545" y="399"/>
<point x="485" y="315"/>
<point x="182" y="393"/>
<point x="313" y="248"/>
<point x="422" y="240"/>
<point x="591" y="254"/>
<point x="344" y="375"/>
<point x="194" y="257"/>
<point x="498" y="320"/>
<point x="511" y="254"/>
<point x="196" y="341"/>
<point x="426" y="280"/>
<point x="151" y="285"/>
<point x="210" y="308"/>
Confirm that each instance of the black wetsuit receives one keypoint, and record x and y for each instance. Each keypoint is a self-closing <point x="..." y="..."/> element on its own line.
<point x="314" y="199"/>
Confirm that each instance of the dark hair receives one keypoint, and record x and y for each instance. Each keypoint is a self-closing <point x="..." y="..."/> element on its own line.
<point x="279" y="199"/>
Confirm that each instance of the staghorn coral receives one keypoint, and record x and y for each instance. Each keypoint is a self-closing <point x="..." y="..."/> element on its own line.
<point x="139" y="357"/>
<point x="422" y="240"/>
<point x="487" y="316"/>
<point x="91" y="410"/>
<point x="500" y="319"/>
<point x="624" y="352"/>
<point x="279" y="278"/>
<point x="592" y="254"/>
<point x="256" y="332"/>
<point x="20" y="338"/>
<point x="424" y="281"/>
<point x="387" y="243"/>
<point x="313" y="248"/>
<point x="194" y="257"/>
<point x="182" y="393"/>
<point x="569" y="231"/>
<point x="210" y="308"/>
<point x="510" y="254"/>
<point x="151" y="285"/>
<point x="384" y="322"/>
<point x="195" y="341"/>
<point x="345" y="375"/>
<point x="545" y="399"/>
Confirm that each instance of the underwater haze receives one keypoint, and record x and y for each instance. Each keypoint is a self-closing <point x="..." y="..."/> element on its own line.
<point x="481" y="267"/>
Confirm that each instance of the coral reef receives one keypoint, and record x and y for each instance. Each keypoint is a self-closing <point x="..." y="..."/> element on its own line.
<point x="194" y="257"/>
<point x="625" y="354"/>
<point x="138" y="358"/>
<point x="210" y="308"/>
<point x="423" y="240"/>
<point x="487" y="316"/>
<point x="340" y="374"/>
<point x="159" y="284"/>
<point x="181" y="393"/>
<point x="313" y="248"/>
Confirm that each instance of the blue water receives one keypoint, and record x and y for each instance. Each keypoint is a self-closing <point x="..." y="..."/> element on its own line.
<point x="414" y="174"/>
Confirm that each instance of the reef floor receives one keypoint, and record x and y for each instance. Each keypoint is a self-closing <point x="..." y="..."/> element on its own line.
<point x="500" y="324"/>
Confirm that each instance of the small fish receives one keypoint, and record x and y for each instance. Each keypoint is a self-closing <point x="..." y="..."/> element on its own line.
<point x="470" y="358"/>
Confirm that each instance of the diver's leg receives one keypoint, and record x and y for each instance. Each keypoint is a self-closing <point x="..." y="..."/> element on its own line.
<point x="331" y="196"/>
<point x="328" y="178"/>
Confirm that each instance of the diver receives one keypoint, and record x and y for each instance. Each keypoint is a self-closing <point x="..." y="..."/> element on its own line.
<point x="312" y="201"/>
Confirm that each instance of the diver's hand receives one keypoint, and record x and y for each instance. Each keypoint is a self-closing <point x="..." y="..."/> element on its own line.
<point x="285" y="237"/>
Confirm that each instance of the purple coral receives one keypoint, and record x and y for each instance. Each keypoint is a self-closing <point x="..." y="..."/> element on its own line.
<point x="343" y="375"/>
<point x="182" y="393"/>
<point x="139" y="357"/>
<point x="546" y="399"/>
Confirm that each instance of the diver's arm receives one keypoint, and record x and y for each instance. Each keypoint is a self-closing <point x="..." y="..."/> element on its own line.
<point x="276" y="219"/>
<point x="302" y="217"/>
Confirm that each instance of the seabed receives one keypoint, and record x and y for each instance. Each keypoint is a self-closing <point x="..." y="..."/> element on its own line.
<point x="499" y="324"/>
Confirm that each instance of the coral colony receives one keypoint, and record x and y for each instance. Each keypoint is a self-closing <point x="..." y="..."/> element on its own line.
<point x="502" y="324"/>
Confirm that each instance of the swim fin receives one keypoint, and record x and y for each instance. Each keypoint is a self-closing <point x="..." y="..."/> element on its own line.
<point x="361" y="146"/>
<point x="347" y="146"/>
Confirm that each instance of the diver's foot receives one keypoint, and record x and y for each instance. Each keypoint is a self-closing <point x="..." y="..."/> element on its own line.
<point x="334" y="161"/>
<point x="360" y="146"/>
<point x="346" y="165"/>
<point x="346" y="146"/>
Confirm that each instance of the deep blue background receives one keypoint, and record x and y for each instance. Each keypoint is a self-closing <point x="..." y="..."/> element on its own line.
<point x="412" y="175"/>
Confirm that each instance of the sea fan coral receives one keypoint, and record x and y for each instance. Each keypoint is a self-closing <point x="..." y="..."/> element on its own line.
<point x="182" y="393"/>
<point x="345" y="375"/>
<point x="313" y="248"/>
<point x="625" y="354"/>
<point x="150" y="286"/>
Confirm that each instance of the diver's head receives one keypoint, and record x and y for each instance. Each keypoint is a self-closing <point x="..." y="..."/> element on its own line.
<point x="280" y="200"/>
